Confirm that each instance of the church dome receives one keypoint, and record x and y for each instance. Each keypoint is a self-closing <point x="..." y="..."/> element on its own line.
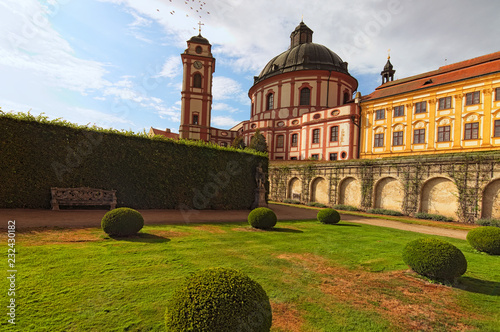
<point x="303" y="55"/>
<point x="199" y="39"/>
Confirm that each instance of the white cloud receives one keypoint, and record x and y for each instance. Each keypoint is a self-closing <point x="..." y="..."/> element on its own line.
<point x="227" y="88"/>
<point x="171" y="68"/>
<point x="101" y="119"/>
<point x="29" y="43"/>
<point x="224" y="122"/>
<point x="173" y="113"/>
<point x="223" y="107"/>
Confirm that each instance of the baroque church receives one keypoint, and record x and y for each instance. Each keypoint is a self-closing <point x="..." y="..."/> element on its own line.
<point x="306" y="104"/>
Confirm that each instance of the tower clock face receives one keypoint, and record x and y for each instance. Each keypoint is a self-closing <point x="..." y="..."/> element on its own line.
<point x="197" y="65"/>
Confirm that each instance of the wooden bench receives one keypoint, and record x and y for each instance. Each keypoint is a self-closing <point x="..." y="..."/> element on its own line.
<point x="82" y="197"/>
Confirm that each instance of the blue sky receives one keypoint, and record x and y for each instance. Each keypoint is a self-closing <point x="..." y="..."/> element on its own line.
<point x="116" y="63"/>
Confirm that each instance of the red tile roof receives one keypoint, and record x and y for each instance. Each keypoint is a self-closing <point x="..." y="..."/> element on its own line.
<point x="483" y="65"/>
<point x="167" y="134"/>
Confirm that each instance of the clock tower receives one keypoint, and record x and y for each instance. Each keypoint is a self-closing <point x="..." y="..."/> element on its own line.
<point x="198" y="68"/>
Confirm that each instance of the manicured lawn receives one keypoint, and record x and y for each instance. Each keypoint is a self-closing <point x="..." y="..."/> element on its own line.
<point x="344" y="277"/>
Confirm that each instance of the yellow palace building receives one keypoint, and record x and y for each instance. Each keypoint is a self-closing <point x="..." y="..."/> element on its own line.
<point x="455" y="108"/>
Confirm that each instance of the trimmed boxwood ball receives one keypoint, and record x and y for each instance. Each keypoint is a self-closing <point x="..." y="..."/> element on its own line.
<point x="262" y="218"/>
<point x="435" y="258"/>
<point x="219" y="300"/>
<point x="328" y="216"/>
<point x="122" y="222"/>
<point x="486" y="239"/>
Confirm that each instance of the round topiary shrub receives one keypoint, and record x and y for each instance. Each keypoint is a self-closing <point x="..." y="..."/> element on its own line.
<point x="328" y="216"/>
<point x="486" y="239"/>
<point x="262" y="218"/>
<point x="434" y="258"/>
<point x="122" y="222"/>
<point x="219" y="300"/>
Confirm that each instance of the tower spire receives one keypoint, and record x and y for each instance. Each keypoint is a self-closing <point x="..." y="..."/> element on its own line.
<point x="388" y="72"/>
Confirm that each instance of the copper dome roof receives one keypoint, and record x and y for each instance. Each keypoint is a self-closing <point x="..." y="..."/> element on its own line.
<point x="199" y="39"/>
<point x="303" y="55"/>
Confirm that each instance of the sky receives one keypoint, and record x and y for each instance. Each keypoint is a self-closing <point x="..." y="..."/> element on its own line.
<point x="116" y="63"/>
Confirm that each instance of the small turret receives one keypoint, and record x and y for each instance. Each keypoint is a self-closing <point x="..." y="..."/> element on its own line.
<point x="301" y="35"/>
<point x="388" y="72"/>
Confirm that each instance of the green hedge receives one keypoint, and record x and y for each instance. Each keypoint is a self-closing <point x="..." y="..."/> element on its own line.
<point x="146" y="173"/>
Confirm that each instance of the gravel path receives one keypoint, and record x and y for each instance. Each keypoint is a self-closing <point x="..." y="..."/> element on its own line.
<point x="26" y="219"/>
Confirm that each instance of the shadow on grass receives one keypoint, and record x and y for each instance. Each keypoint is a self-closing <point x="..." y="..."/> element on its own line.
<point x="142" y="237"/>
<point x="339" y="224"/>
<point x="284" y="230"/>
<point x="479" y="286"/>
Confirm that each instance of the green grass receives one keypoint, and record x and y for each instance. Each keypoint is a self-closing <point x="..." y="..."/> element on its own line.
<point x="344" y="277"/>
<point x="403" y="219"/>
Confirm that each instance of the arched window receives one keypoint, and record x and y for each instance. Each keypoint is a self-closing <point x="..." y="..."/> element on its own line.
<point x="270" y="101"/>
<point x="346" y="97"/>
<point x="197" y="80"/>
<point x="305" y="96"/>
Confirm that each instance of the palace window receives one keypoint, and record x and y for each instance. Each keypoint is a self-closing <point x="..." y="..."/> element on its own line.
<point x="497" y="128"/>
<point x="305" y="96"/>
<point x="334" y="134"/>
<point x="497" y="94"/>
<point x="472" y="98"/>
<point x="315" y="136"/>
<point x="419" y="136"/>
<point x="397" y="138"/>
<point x="280" y="141"/>
<point x="379" y="140"/>
<point x="197" y="80"/>
<point x="333" y="156"/>
<point x="471" y="130"/>
<point x="315" y="156"/>
<point x="444" y="134"/>
<point x="444" y="103"/>
<point x="399" y="110"/>
<point x="223" y="144"/>
<point x="420" y="107"/>
<point x="293" y="158"/>
<point x="196" y="118"/>
<point x="270" y="101"/>
<point x="346" y="97"/>
<point x="295" y="138"/>
<point x="380" y="114"/>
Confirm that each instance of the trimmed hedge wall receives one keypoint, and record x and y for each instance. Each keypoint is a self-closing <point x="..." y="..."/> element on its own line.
<point x="157" y="173"/>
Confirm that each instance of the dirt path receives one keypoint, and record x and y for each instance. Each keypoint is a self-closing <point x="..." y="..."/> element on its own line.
<point x="26" y="219"/>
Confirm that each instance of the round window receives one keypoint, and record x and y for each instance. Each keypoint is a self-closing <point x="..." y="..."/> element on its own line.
<point x="198" y="49"/>
<point x="253" y="126"/>
<point x="281" y="124"/>
<point x="223" y="133"/>
<point x="295" y="122"/>
<point x="335" y="112"/>
<point x="316" y="116"/>
<point x="343" y="155"/>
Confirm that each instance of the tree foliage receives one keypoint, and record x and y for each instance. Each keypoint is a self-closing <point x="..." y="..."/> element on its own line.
<point x="258" y="142"/>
